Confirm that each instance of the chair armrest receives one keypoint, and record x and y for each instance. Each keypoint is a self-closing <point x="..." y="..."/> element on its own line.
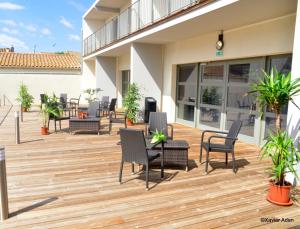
<point x="172" y="129"/>
<point x="211" y="131"/>
<point x="220" y="137"/>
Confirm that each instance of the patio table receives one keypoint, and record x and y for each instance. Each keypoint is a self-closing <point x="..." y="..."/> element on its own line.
<point x="87" y="124"/>
<point x="175" y="152"/>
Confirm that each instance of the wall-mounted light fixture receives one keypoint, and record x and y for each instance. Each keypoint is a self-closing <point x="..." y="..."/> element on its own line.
<point x="220" y="42"/>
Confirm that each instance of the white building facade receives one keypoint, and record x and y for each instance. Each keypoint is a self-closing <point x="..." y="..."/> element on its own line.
<point x="168" y="47"/>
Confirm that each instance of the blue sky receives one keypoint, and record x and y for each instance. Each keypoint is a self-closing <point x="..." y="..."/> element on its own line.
<point x="48" y="25"/>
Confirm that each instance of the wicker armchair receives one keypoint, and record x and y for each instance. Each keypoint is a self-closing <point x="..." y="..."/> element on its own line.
<point x="158" y="121"/>
<point x="226" y="147"/>
<point x="134" y="150"/>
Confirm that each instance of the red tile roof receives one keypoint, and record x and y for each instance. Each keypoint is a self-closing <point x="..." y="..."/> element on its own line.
<point x="65" y="61"/>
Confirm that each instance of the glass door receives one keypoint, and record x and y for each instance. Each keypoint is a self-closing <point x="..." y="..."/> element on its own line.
<point x="186" y="93"/>
<point x="211" y="95"/>
<point x="239" y="105"/>
<point x="125" y="83"/>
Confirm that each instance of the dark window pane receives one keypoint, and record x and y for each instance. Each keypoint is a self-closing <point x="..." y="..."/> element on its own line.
<point x="210" y="117"/>
<point x="248" y="120"/>
<point x="186" y="112"/>
<point x="187" y="93"/>
<point x="245" y="73"/>
<point x="213" y="73"/>
<point x="187" y="74"/>
<point x="237" y="99"/>
<point x="211" y="95"/>
<point x="282" y="63"/>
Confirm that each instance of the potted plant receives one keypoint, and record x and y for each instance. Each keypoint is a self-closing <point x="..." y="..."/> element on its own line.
<point x="280" y="148"/>
<point x="49" y="108"/>
<point x="158" y="136"/>
<point x="24" y="98"/>
<point x="91" y="94"/>
<point x="274" y="91"/>
<point x="131" y="103"/>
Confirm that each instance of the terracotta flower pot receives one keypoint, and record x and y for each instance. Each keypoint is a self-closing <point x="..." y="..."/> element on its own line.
<point x="129" y="122"/>
<point x="24" y="109"/>
<point x="44" y="131"/>
<point x="279" y="194"/>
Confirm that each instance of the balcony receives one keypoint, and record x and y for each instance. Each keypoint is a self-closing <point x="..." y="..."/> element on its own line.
<point x="137" y="16"/>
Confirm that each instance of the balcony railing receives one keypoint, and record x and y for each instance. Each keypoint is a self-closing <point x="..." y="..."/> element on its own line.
<point x="137" y="16"/>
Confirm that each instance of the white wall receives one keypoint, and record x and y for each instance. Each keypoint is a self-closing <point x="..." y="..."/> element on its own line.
<point x="123" y="63"/>
<point x="293" y="119"/>
<point x="265" y="38"/>
<point x="89" y="26"/>
<point x="147" y="70"/>
<point x="106" y="75"/>
<point x="39" y="83"/>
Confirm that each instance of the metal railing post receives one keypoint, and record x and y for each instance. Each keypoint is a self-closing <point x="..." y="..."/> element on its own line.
<point x="21" y="111"/>
<point x="4" y="100"/>
<point x="17" y="127"/>
<point x="3" y="186"/>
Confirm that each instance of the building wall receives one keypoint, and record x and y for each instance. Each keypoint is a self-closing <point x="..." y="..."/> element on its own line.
<point x="261" y="39"/>
<point x="39" y="83"/>
<point x="147" y="69"/>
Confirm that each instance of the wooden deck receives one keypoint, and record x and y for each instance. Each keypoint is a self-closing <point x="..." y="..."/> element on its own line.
<point x="71" y="181"/>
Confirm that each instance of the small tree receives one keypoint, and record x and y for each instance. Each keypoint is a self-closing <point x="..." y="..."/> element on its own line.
<point x="274" y="91"/>
<point x="131" y="101"/>
<point x="24" y="97"/>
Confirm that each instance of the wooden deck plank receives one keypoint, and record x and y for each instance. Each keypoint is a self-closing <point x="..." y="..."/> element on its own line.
<point x="70" y="181"/>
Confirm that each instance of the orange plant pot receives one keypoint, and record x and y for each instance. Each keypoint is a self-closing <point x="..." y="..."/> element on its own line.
<point x="279" y="194"/>
<point x="24" y="109"/>
<point x="129" y="122"/>
<point x="82" y="115"/>
<point x="44" y="131"/>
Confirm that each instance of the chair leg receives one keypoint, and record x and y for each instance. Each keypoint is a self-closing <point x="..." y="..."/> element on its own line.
<point x="132" y="168"/>
<point x="233" y="162"/>
<point x="121" y="170"/>
<point x="55" y="125"/>
<point x="200" y="159"/>
<point x="59" y="125"/>
<point x="226" y="158"/>
<point x="147" y="177"/>
<point x="207" y="159"/>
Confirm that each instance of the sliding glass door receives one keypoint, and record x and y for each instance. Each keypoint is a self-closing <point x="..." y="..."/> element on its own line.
<point x="187" y="77"/>
<point x="211" y="95"/>
<point x="214" y="95"/>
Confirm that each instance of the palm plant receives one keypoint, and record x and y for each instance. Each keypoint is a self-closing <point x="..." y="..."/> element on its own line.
<point x="50" y="108"/>
<point x="274" y="91"/>
<point x="24" y="97"/>
<point x="280" y="148"/>
<point x="131" y="101"/>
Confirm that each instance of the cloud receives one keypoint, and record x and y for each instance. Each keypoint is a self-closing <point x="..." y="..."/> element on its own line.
<point x="8" y="22"/>
<point x="45" y="31"/>
<point x="78" y="6"/>
<point x="7" y="41"/>
<point x="10" y="6"/>
<point x="11" y="31"/>
<point x="65" y="22"/>
<point x="30" y="28"/>
<point x="74" y="37"/>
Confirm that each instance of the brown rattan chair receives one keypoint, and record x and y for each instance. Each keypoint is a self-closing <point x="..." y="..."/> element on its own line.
<point x="226" y="147"/>
<point x="134" y="150"/>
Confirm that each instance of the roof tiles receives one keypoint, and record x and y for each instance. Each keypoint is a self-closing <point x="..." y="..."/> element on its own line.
<point x="67" y="61"/>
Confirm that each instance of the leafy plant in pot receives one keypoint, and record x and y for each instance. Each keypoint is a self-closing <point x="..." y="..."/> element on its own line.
<point x="274" y="91"/>
<point x="24" y="98"/>
<point x="131" y="103"/>
<point x="49" y="108"/>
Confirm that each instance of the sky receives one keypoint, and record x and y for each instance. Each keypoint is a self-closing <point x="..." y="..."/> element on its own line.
<point x="42" y="25"/>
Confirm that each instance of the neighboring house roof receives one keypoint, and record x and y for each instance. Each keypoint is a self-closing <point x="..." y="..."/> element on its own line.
<point x="65" y="61"/>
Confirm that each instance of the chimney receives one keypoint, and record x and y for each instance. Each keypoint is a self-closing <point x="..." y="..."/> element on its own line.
<point x="12" y="49"/>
